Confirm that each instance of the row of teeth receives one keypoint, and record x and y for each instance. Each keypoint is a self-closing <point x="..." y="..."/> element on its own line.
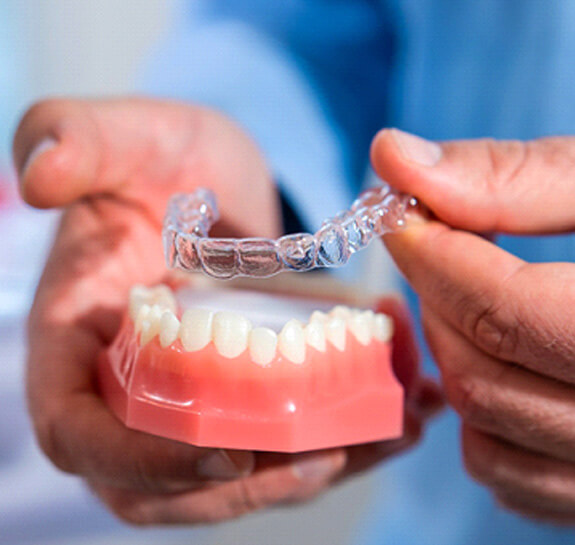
<point x="153" y="312"/>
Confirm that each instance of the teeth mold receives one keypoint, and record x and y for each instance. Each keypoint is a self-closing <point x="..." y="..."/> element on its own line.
<point x="267" y="381"/>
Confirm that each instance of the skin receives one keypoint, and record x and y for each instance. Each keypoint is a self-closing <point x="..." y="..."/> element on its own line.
<point x="500" y="329"/>
<point x="112" y="166"/>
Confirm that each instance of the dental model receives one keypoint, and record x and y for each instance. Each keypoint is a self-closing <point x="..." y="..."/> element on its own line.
<point x="189" y="217"/>
<point x="220" y="379"/>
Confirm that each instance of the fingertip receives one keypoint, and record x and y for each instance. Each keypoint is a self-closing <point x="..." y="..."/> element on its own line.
<point x="53" y="149"/>
<point x="428" y="399"/>
<point x="47" y="177"/>
<point x="382" y="146"/>
<point x="319" y="467"/>
<point x="226" y="464"/>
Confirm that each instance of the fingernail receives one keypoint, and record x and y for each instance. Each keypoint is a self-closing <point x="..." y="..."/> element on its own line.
<point x="44" y="145"/>
<point x="417" y="149"/>
<point x="314" y="468"/>
<point x="226" y="464"/>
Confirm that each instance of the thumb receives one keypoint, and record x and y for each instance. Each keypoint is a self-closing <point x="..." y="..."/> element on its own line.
<point x="141" y="150"/>
<point x="484" y="185"/>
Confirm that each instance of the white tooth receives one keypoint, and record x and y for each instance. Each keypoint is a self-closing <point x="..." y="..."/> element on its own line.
<point x="340" y="311"/>
<point x="138" y="297"/>
<point x="151" y="325"/>
<point x="162" y="295"/>
<point x="361" y="326"/>
<point x="196" y="329"/>
<point x="315" y="335"/>
<point x="335" y="331"/>
<point x="262" y="344"/>
<point x="318" y="316"/>
<point x="159" y="295"/>
<point x="169" y="328"/>
<point x="291" y="341"/>
<point x="230" y="333"/>
<point x="382" y="327"/>
<point x="142" y="315"/>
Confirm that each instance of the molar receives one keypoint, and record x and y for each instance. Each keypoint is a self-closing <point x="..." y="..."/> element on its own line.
<point x="159" y="295"/>
<point x="292" y="341"/>
<point x="230" y="333"/>
<point x="262" y="343"/>
<point x="138" y="299"/>
<point x="196" y="329"/>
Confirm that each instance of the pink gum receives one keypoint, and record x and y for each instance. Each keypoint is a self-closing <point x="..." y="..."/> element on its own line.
<point x="333" y="398"/>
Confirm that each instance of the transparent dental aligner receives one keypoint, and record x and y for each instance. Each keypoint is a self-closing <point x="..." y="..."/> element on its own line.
<point x="189" y="217"/>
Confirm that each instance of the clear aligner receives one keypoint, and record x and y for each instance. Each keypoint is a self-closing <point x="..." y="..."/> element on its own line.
<point x="189" y="217"/>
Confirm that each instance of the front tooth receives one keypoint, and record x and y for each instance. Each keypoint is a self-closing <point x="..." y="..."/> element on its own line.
<point x="230" y="333"/>
<point x="262" y="344"/>
<point x="315" y="335"/>
<point x="361" y="326"/>
<point x="292" y="341"/>
<point x="169" y="328"/>
<point x="335" y="332"/>
<point x="340" y="311"/>
<point x="196" y="329"/>
<point x="382" y="327"/>
<point x="151" y="324"/>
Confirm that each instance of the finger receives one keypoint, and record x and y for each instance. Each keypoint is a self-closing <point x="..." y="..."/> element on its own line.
<point x="278" y="479"/>
<point x="360" y="458"/>
<point x="522" y="480"/>
<point x="68" y="149"/>
<point x="503" y="399"/>
<point x="511" y="310"/>
<point x="484" y="185"/>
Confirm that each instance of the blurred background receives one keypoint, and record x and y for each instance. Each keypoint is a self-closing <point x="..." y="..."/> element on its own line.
<point x="95" y="48"/>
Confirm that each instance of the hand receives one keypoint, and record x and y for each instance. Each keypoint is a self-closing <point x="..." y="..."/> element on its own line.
<point x="500" y="329"/>
<point x="113" y="165"/>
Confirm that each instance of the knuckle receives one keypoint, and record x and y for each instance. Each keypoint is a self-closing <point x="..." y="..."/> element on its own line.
<point x="126" y="507"/>
<point x="132" y="514"/>
<point x="39" y="113"/>
<point x="50" y="439"/>
<point x="507" y="161"/>
<point x="249" y="498"/>
<point x="492" y="332"/>
<point x="142" y="475"/>
<point x="478" y="462"/>
<point x="469" y="396"/>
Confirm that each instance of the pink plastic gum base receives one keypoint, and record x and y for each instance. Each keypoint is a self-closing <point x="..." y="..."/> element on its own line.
<point x="332" y="399"/>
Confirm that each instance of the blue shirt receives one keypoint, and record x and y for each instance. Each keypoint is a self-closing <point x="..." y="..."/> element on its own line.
<point x="313" y="81"/>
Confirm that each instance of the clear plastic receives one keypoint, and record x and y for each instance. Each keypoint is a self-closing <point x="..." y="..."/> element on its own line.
<point x="189" y="217"/>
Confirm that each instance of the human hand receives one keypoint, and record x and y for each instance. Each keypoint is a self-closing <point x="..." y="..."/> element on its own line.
<point x="113" y="164"/>
<point x="500" y="329"/>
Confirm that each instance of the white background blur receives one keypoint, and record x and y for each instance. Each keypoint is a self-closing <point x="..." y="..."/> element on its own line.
<point x="91" y="48"/>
